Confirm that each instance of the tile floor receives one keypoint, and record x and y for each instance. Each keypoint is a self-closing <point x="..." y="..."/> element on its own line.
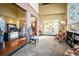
<point x="46" y="46"/>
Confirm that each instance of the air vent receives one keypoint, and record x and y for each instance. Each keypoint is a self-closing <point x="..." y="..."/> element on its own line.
<point x="45" y="3"/>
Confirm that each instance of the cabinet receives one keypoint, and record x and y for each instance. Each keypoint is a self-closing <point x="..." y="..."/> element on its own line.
<point x="70" y="39"/>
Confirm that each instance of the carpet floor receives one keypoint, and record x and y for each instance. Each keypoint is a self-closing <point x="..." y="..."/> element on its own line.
<point x="46" y="46"/>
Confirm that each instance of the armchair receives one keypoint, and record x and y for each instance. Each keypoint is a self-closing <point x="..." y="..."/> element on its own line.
<point x="32" y="37"/>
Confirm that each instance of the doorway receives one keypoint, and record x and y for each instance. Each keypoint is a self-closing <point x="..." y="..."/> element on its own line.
<point x="51" y="27"/>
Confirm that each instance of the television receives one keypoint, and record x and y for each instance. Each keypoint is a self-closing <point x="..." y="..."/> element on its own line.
<point x="13" y="35"/>
<point x="77" y="37"/>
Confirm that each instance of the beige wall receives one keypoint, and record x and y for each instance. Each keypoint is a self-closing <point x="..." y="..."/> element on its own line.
<point x="53" y="8"/>
<point x="52" y="12"/>
<point x="11" y="13"/>
<point x="30" y="11"/>
<point x="51" y="17"/>
<point x="10" y="10"/>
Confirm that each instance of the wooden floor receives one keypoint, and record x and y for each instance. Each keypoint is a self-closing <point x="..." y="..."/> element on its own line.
<point x="12" y="45"/>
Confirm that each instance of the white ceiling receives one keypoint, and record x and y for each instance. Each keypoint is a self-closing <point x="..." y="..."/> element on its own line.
<point x="35" y="6"/>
